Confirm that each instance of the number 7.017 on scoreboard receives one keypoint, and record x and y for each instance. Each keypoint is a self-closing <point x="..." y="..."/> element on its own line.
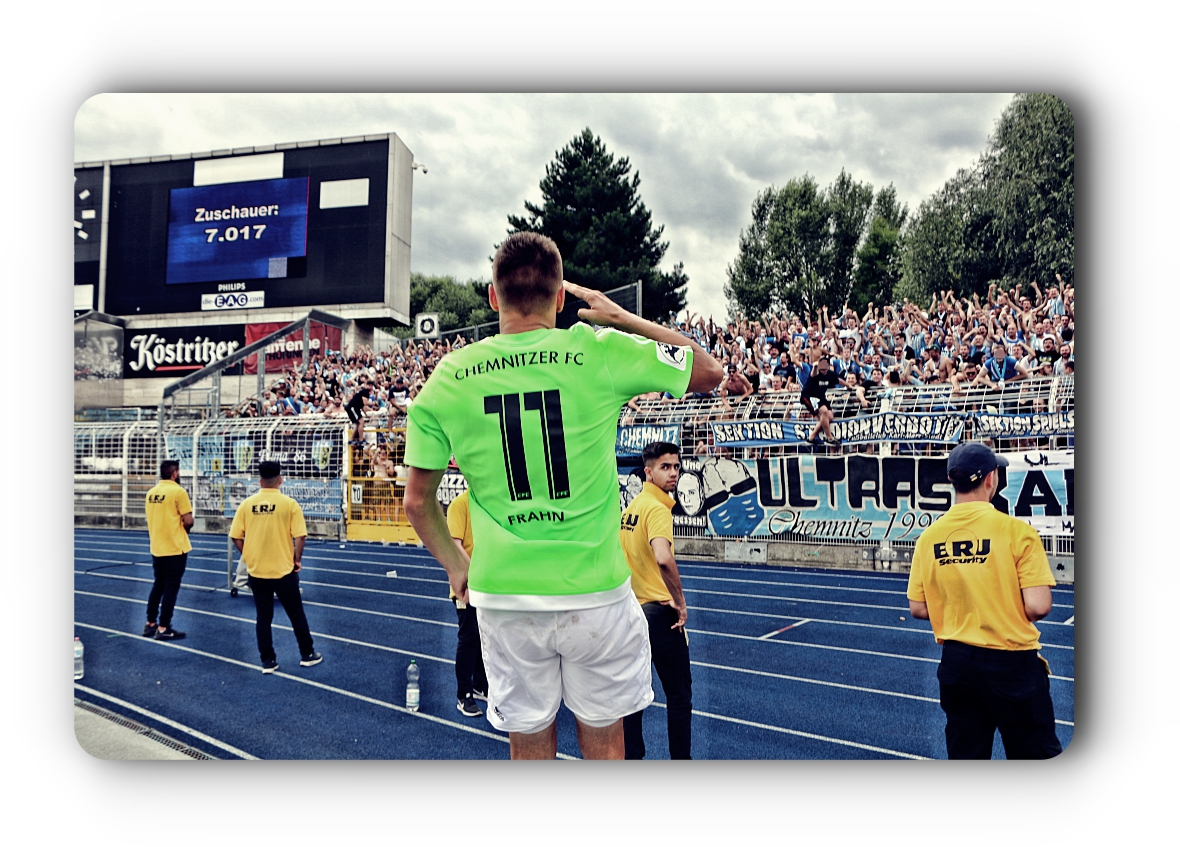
<point x="239" y="231"/>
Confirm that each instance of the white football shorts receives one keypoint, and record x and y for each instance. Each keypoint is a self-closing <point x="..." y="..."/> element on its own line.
<point x="597" y="660"/>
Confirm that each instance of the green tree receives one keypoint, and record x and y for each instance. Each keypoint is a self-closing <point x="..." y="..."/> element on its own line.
<point x="754" y="276"/>
<point x="1008" y="218"/>
<point x="878" y="261"/>
<point x="1028" y="175"/>
<point x="933" y="256"/>
<point x="848" y="205"/>
<point x="591" y="208"/>
<point x="799" y="252"/>
<point x="458" y="304"/>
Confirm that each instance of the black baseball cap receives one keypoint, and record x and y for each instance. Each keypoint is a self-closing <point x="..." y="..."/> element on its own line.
<point x="972" y="461"/>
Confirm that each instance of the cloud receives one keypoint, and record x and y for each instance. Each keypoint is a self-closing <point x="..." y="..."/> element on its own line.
<point x="701" y="158"/>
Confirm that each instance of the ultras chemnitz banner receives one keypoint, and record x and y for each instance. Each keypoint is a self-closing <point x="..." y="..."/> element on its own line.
<point x="851" y="498"/>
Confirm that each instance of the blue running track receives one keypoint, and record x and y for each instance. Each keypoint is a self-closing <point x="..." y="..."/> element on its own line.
<point x="787" y="663"/>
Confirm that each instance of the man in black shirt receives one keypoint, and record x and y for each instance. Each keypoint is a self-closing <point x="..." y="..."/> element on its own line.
<point x="1049" y="355"/>
<point x="356" y="410"/>
<point x="815" y="397"/>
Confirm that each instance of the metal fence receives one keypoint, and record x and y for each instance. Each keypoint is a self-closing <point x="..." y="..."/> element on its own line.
<point x="695" y="416"/>
<point x="116" y="462"/>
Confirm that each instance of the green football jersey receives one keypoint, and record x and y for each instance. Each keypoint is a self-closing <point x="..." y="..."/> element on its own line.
<point x="531" y="418"/>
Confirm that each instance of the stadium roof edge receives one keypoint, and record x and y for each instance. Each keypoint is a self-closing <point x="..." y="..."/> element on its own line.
<point x="260" y="148"/>
<point x="101" y="317"/>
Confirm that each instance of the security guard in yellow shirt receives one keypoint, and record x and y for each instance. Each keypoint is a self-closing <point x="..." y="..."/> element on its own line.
<point x="981" y="578"/>
<point x="645" y="533"/>
<point x="470" y="676"/>
<point x="169" y="518"/>
<point x="269" y="532"/>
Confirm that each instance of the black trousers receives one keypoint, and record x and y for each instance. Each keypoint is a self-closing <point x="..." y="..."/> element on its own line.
<point x="162" y="599"/>
<point x="982" y="690"/>
<point x="669" y="654"/>
<point x="469" y="671"/>
<point x="287" y="590"/>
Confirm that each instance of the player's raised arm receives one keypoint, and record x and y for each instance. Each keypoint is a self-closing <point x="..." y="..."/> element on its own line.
<point x="706" y="371"/>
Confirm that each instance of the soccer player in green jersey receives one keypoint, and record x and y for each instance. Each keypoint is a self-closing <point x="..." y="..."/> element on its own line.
<point x="530" y="416"/>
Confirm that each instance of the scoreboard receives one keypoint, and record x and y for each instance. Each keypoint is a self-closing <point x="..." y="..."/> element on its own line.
<point x="322" y="224"/>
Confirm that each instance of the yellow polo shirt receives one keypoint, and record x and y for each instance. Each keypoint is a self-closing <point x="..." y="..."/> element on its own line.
<point x="164" y="505"/>
<point x="268" y="521"/>
<point x="969" y="567"/>
<point x="459" y="524"/>
<point x="649" y="516"/>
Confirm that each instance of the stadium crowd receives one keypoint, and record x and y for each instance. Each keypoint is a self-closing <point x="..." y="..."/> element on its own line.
<point x="954" y="349"/>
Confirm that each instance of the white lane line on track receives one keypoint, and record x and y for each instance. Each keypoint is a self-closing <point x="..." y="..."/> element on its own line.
<point x="354" y="642"/>
<point x="280" y="626"/>
<point x="222" y="571"/>
<point x="425" y="555"/>
<point x="858" y="624"/>
<point x="451" y="661"/>
<point x="705" y="632"/>
<point x="901" y="609"/>
<point x="859" y="651"/>
<point x="824" y="683"/>
<point x="900" y="593"/>
<point x="139" y="710"/>
<point x="316" y="547"/>
<point x="443" y="582"/>
<point x="810" y="735"/>
<point x="302" y="583"/>
<point x="488" y="734"/>
<point x="784" y="629"/>
<point x="331" y="688"/>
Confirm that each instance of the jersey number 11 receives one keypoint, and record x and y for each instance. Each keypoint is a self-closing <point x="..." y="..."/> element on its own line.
<point x="548" y="406"/>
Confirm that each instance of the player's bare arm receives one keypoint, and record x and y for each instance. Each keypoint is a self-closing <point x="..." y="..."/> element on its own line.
<point x="671" y="576"/>
<point x="706" y="371"/>
<point x="426" y="516"/>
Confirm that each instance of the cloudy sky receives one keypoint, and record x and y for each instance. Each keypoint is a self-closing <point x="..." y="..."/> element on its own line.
<point x="701" y="158"/>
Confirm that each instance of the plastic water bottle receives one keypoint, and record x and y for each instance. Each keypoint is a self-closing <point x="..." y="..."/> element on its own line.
<point x="77" y="657"/>
<point x="413" y="693"/>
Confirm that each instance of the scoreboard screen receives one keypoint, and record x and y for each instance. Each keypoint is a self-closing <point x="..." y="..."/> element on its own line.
<point x="245" y="230"/>
<point x="322" y="224"/>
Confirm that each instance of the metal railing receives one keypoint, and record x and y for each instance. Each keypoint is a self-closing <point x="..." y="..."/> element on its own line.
<point x="116" y="462"/>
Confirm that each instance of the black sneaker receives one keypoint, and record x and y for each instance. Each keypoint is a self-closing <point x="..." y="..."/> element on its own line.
<point x="466" y="706"/>
<point x="169" y="634"/>
<point x="480" y="695"/>
<point x="270" y="667"/>
<point x="150" y="630"/>
<point x="310" y="659"/>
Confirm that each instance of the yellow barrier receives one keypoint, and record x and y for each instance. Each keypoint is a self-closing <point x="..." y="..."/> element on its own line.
<point x="376" y="489"/>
